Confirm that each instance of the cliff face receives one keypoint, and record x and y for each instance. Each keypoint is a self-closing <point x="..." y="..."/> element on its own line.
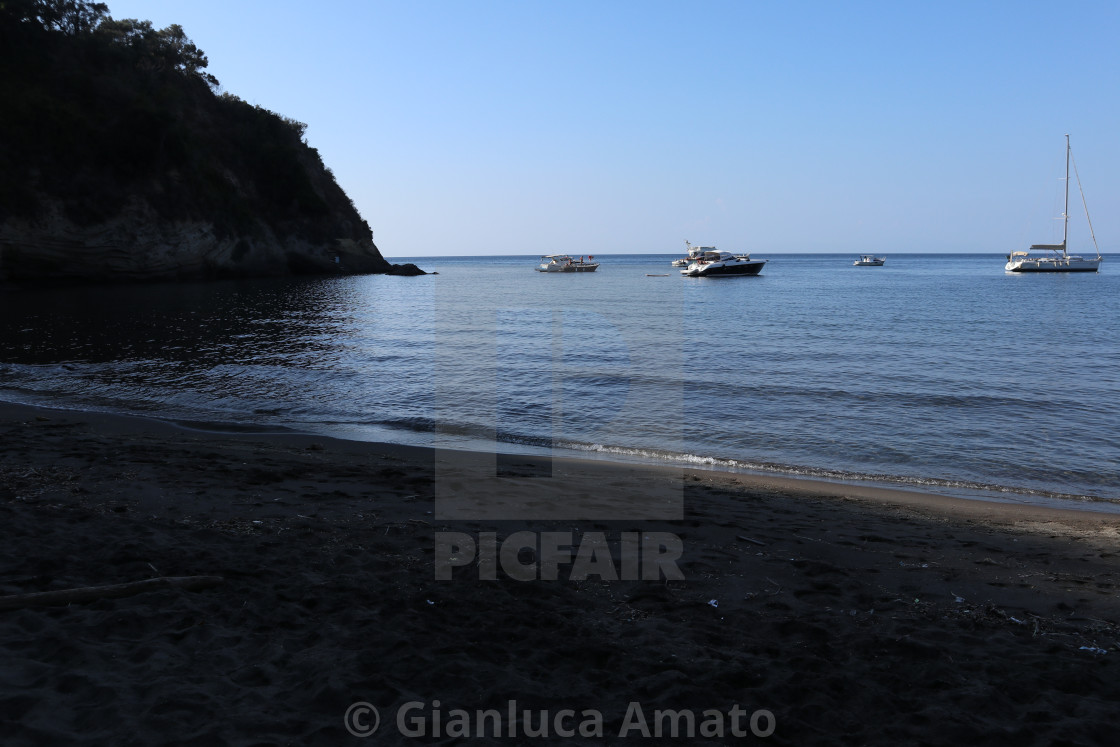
<point x="138" y="245"/>
<point x="119" y="162"/>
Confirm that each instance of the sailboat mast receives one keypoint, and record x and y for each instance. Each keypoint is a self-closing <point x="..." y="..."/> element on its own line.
<point x="1065" y="211"/>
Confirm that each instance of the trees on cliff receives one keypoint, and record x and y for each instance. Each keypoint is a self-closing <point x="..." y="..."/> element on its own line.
<point x="71" y="17"/>
<point x="163" y="49"/>
<point x="154" y="50"/>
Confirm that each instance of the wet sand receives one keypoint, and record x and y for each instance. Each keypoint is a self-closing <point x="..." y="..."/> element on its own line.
<point x="853" y="615"/>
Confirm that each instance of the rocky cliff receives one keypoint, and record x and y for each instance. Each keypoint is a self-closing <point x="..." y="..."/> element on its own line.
<point x="139" y="245"/>
<point x="120" y="161"/>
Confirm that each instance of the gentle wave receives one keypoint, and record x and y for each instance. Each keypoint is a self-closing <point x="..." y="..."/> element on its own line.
<point x="724" y="464"/>
<point x="478" y="433"/>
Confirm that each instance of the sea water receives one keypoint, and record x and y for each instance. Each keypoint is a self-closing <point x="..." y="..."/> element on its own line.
<point x="935" y="371"/>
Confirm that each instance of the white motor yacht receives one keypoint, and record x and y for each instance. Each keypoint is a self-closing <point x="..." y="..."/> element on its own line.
<point x="714" y="263"/>
<point x="869" y="260"/>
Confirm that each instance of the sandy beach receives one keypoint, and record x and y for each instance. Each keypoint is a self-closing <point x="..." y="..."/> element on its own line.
<point x="829" y="613"/>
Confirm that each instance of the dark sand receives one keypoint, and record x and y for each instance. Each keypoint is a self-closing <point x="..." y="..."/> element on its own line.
<point x="856" y="616"/>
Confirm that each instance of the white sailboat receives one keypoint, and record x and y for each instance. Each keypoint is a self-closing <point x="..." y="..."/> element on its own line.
<point x="1057" y="258"/>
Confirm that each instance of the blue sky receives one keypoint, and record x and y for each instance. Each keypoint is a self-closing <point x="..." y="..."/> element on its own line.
<point x="494" y="127"/>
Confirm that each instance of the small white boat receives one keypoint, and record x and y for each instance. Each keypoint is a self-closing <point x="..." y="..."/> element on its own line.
<point x="714" y="263"/>
<point x="869" y="260"/>
<point x="566" y="263"/>
<point x="1057" y="259"/>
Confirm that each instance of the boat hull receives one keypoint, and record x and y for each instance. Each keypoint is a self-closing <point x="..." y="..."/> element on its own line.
<point x="720" y="270"/>
<point x="568" y="268"/>
<point x="1072" y="264"/>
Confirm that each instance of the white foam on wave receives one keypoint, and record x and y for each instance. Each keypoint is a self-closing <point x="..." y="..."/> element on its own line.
<point x="963" y="488"/>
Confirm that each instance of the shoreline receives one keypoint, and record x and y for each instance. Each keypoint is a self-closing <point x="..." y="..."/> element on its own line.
<point x="852" y="614"/>
<point x="890" y="490"/>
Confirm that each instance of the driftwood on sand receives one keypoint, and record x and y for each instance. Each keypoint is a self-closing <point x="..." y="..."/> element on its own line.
<point x="93" y="593"/>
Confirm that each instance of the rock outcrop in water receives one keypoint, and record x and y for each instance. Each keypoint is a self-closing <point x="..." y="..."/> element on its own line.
<point x="120" y="162"/>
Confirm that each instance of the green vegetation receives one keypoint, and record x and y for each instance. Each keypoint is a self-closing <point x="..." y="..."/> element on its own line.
<point x="96" y="112"/>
